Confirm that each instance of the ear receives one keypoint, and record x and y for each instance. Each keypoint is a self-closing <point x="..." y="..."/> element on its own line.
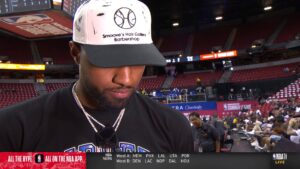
<point x="75" y="52"/>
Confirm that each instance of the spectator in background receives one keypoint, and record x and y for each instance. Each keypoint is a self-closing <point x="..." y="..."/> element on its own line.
<point x="176" y="90"/>
<point x="184" y="94"/>
<point x="144" y="92"/>
<point x="219" y="125"/>
<point x="281" y="144"/>
<point x="229" y="121"/>
<point x="296" y="138"/>
<point x="231" y="94"/>
<point x="297" y="109"/>
<point x="206" y="137"/>
<point x="198" y="81"/>
<point x="153" y="93"/>
<point x="293" y="125"/>
<point x="286" y="69"/>
<point x="170" y="70"/>
<point x="258" y="112"/>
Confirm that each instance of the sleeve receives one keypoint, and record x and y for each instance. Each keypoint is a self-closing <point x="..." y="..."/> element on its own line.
<point x="194" y="133"/>
<point x="184" y="142"/>
<point x="215" y="133"/>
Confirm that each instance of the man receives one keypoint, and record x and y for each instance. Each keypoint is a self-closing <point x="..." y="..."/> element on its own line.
<point x="206" y="137"/>
<point x="219" y="126"/>
<point x="101" y="112"/>
<point x="293" y="128"/>
<point x="282" y="144"/>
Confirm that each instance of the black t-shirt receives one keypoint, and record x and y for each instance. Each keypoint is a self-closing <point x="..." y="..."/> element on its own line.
<point x="205" y="137"/>
<point x="219" y="125"/>
<point x="54" y="122"/>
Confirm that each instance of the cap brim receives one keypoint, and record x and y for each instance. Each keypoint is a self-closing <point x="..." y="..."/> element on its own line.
<point x="124" y="55"/>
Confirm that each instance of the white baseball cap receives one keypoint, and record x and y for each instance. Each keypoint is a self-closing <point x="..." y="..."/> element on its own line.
<point x="116" y="33"/>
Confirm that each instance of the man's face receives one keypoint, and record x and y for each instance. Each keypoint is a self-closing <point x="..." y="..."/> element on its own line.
<point x="195" y="121"/>
<point x="108" y="87"/>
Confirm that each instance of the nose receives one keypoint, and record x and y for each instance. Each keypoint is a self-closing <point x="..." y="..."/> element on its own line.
<point x="123" y="76"/>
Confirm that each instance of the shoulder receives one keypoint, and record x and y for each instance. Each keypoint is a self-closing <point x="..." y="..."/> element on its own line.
<point x="194" y="129"/>
<point x="22" y="124"/>
<point x="25" y="106"/>
<point x="32" y="107"/>
<point x="209" y="127"/>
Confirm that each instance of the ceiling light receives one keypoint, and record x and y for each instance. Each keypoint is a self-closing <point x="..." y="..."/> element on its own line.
<point x="267" y="8"/>
<point x="219" y="18"/>
<point x="175" y="24"/>
<point x="57" y="2"/>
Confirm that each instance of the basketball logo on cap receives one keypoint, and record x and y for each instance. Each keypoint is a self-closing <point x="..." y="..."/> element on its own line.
<point x="125" y="18"/>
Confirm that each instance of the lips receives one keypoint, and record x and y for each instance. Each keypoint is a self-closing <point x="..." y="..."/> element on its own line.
<point x="120" y="93"/>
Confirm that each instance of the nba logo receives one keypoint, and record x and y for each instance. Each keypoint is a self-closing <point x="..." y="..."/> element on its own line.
<point x="225" y="107"/>
<point x="39" y="158"/>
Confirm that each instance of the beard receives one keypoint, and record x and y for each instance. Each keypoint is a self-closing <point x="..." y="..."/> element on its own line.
<point x="103" y="102"/>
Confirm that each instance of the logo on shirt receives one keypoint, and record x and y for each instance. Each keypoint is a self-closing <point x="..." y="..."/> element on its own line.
<point x="123" y="147"/>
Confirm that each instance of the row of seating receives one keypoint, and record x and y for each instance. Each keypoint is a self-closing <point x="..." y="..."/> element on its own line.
<point x="11" y="93"/>
<point x="202" y="43"/>
<point x="246" y="33"/>
<point x="151" y="83"/>
<point x="54" y="86"/>
<point x="189" y="80"/>
<point x="181" y="80"/>
<point x="292" y="90"/>
<point x="14" y="92"/>
<point x="261" y="29"/>
<point x="263" y="73"/>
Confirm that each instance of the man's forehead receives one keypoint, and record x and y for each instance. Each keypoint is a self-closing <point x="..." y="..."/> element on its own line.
<point x="193" y="117"/>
